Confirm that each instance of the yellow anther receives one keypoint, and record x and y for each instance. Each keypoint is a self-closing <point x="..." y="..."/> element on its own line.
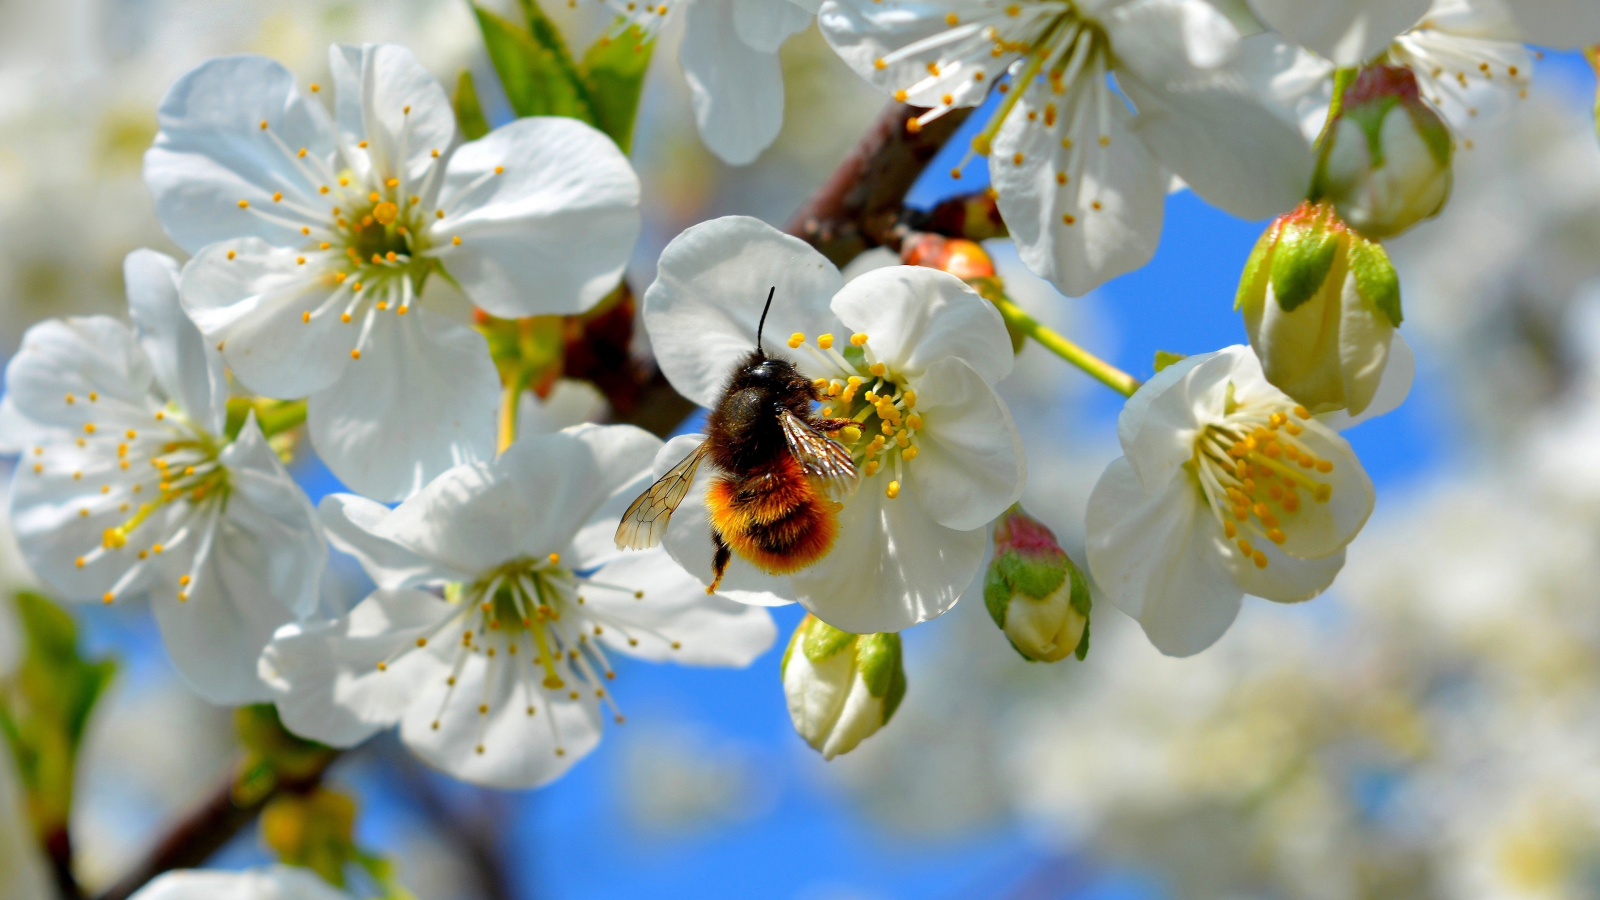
<point x="183" y="580"/>
<point x="322" y="189"/>
<point x="93" y="396"/>
<point x="851" y="434"/>
<point x="499" y="170"/>
<point x="356" y="287"/>
<point x="88" y="427"/>
<point x="1324" y="466"/>
<point x="456" y="240"/>
<point x="244" y="204"/>
<point x="263" y="124"/>
<point x="914" y="421"/>
<point x="299" y="260"/>
<point x="858" y="339"/>
<point x="362" y="144"/>
<point x="878" y="369"/>
<point x="893" y="490"/>
<point x="1302" y="412"/>
<point x="107" y="597"/>
<point x="277" y="197"/>
<point x="796" y="339"/>
<point x="555" y="558"/>
<point x="385" y="213"/>
<point x="344" y="317"/>
<point x="343" y="182"/>
<point x="394" y="182"/>
<point x="355" y="354"/>
<point x="383" y="305"/>
<point x="909" y="398"/>
<point x="402" y="310"/>
<point x="825" y="341"/>
<point x="183" y="596"/>
<point x="879" y="64"/>
<point x="909" y="453"/>
<point x="315" y="87"/>
<point x="156" y="548"/>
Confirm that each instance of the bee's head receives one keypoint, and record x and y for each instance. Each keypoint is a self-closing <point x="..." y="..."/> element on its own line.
<point x="771" y="372"/>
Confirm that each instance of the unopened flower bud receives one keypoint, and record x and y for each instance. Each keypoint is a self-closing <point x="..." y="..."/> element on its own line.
<point x="841" y="687"/>
<point x="1320" y="304"/>
<point x="1034" y="592"/>
<point x="1386" y="159"/>
<point x="313" y="830"/>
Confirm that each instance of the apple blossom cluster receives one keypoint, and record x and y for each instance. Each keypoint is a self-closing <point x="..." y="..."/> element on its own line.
<point x="350" y="249"/>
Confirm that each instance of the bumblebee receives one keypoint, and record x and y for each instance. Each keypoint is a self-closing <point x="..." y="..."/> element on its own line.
<point x="776" y="496"/>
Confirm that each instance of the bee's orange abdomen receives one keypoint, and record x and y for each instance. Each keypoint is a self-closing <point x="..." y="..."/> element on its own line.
<point x="773" y="517"/>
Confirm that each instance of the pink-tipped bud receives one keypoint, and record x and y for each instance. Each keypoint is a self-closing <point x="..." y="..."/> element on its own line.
<point x="1034" y="592"/>
<point x="1386" y="161"/>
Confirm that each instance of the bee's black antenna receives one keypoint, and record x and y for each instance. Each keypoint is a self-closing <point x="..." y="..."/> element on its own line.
<point x="763" y="322"/>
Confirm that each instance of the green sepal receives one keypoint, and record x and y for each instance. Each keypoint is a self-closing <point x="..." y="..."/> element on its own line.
<point x="537" y="74"/>
<point x="613" y="71"/>
<point x="1038" y="577"/>
<point x="879" y="665"/>
<point x="1083" y="602"/>
<point x="794" y="638"/>
<point x="823" y="640"/>
<point x="1376" y="280"/>
<point x="1301" y="262"/>
<point x="45" y="706"/>
<point x="1164" y="359"/>
<point x="1083" y="642"/>
<point x="272" y="754"/>
<point x="469" y="112"/>
<point x="1252" y="283"/>
<point x="996" y="595"/>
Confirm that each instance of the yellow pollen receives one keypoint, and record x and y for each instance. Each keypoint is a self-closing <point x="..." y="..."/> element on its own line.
<point x="107" y="597"/>
<point x="263" y="124"/>
<point x="893" y="490"/>
<point x="299" y="260"/>
<point x="825" y="341"/>
<point x="858" y="339"/>
<point x="315" y="87"/>
<point x="796" y="339"/>
<point x="355" y="354"/>
<point x="362" y="145"/>
<point x="499" y="170"/>
<point x="344" y="317"/>
<point x="383" y="305"/>
<point x="394" y="182"/>
<point x="244" y="204"/>
<point x="156" y="548"/>
<point x="879" y="64"/>
<point x="901" y="96"/>
<point x="277" y="197"/>
<point x="952" y="19"/>
<point x="456" y="240"/>
<point x="385" y="213"/>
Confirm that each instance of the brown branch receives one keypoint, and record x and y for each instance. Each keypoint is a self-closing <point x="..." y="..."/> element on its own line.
<point x="857" y="208"/>
<point x="203" y="832"/>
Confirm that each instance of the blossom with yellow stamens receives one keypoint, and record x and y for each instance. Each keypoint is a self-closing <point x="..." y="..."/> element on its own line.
<point x="537" y="217"/>
<point x="501" y="595"/>
<point x="911" y="537"/>
<point x="1226" y="487"/>
<point x="1081" y="178"/>
<point x="156" y="499"/>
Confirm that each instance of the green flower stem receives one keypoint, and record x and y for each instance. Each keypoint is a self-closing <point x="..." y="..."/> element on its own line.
<point x="280" y="416"/>
<point x="1097" y="368"/>
<point x="510" y="396"/>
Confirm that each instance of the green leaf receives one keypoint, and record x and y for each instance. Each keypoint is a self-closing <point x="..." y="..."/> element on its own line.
<point x="613" y="71"/>
<point x="469" y="112"/>
<point x="45" y="705"/>
<point x="538" y="76"/>
<point x="1376" y="280"/>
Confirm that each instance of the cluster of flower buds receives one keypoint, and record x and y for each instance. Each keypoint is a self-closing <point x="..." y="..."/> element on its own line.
<point x="1320" y="304"/>
<point x="1034" y="592"/>
<point x="841" y="687"/>
<point x="1386" y="156"/>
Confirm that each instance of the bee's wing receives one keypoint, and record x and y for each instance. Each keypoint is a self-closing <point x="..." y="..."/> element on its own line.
<point x="823" y="458"/>
<point x="645" y="522"/>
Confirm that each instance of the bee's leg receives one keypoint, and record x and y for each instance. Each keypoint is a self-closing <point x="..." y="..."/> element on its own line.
<point x="719" y="560"/>
<point x="829" y="426"/>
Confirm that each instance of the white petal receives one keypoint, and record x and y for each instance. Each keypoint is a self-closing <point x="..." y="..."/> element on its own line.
<point x="970" y="464"/>
<point x="77" y="356"/>
<point x="1060" y="232"/>
<point x="421" y="399"/>
<point x="1562" y="24"/>
<point x="551" y="233"/>
<point x="709" y="630"/>
<point x="624" y="456"/>
<point x="891" y="567"/>
<point x="1176" y="35"/>
<point x="355" y="526"/>
<point x="18" y="433"/>
<point x="325" y="677"/>
<point x="519" y="749"/>
<point x="863" y="32"/>
<point x="1398" y="373"/>
<point x="188" y="369"/>
<point x="257" y="571"/>
<point x="253" y="305"/>
<point x="765" y="24"/>
<point x="1160" y="422"/>
<point x="1230" y="146"/>
<point x="612" y="462"/>
<point x="1347" y="32"/>
<point x="914" y="316"/>
<point x="702" y="310"/>
<point x="736" y="87"/>
<point x="386" y="97"/>
<point x="211" y="152"/>
<point x="275" y="883"/>
<point x="1285" y="579"/>
<point x="688" y="538"/>
<point x="1317" y="530"/>
<point x="1158" y="555"/>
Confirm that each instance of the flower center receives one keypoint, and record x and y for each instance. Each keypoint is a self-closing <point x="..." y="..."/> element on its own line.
<point x="877" y="403"/>
<point x="1252" y="468"/>
<point x="533" y="617"/>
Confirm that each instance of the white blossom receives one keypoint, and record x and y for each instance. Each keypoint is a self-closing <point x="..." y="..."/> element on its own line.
<point x="502" y="680"/>
<point x="1226" y="487"/>
<point x="1082" y="179"/>
<point x="911" y="353"/>
<point x="133" y="487"/>
<point x="326" y="247"/>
